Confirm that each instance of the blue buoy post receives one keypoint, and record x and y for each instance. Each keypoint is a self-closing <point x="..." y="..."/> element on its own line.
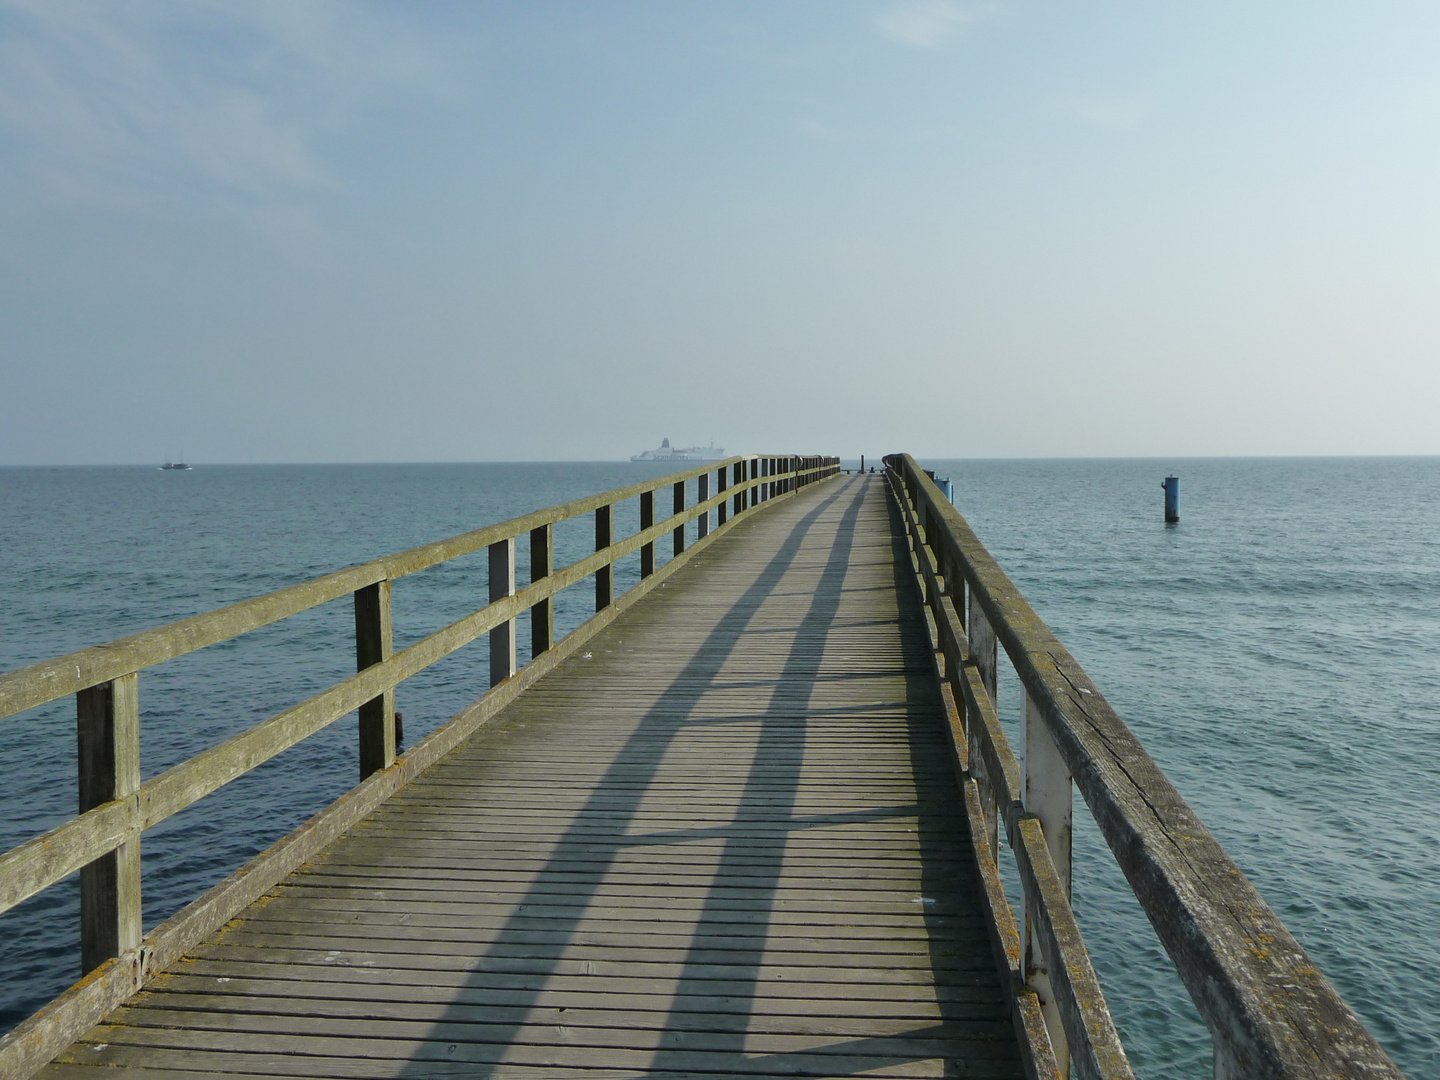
<point x="943" y="483"/>
<point x="1171" y="484"/>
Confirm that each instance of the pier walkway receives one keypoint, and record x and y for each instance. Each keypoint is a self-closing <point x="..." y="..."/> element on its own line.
<point x="724" y="839"/>
<point x="745" y="820"/>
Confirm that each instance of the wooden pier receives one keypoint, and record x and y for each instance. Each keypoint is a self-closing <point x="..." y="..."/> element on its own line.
<point x="743" y="822"/>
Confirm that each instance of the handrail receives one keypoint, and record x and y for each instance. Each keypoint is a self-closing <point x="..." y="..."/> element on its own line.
<point x="1059" y="1008"/>
<point x="39" y="683"/>
<point x="1269" y="1010"/>
<point x="102" y="841"/>
<point x="57" y="853"/>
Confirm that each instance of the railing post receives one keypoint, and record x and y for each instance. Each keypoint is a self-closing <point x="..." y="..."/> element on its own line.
<point x="754" y="481"/>
<point x="677" y="535"/>
<point x="107" y="740"/>
<point x="502" y="584"/>
<point x="927" y="535"/>
<point x="604" y="580"/>
<point x="721" y="474"/>
<point x="702" y="492"/>
<point x="647" y="520"/>
<point x="374" y="642"/>
<point x="736" y="480"/>
<point x="984" y="655"/>
<point x="1048" y="797"/>
<point x="542" y="615"/>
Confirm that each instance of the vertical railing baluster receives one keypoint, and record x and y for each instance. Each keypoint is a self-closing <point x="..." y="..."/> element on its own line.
<point x="502" y="584"/>
<point x="107" y="729"/>
<point x="1048" y="797"/>
<point x="736" y="480"/>
<point x="374" y="642"/>
<point x="647" y="521"/>
<point x="677" y="535"/>
<point x="702" y="492"/>
<point x="754" y="481"/>
<point x="542" y="615"/>
<point x="721" y="475"/>
<point x="927" y="534"/>
<point x="954" y="584"/>
<point x="983" y="655"/>
<point x="604" y="578"/>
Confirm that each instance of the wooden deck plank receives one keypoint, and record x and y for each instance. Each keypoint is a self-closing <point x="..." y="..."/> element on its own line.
<point x="723" y="841"/>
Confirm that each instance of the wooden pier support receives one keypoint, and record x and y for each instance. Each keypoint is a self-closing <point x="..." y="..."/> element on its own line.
<point x="647" y="520"/>
<point x="542" y="614"/>
<point x="677" y="504"/>
<point x="374" y="644"/>
<point x="108" y="748"/>
<point x="502" y="585"/>
<point x="604" y="577"/>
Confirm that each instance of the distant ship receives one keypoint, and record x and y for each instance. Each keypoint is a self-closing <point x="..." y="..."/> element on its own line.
<point x="172" y="466"/>
<point x="666" y="452"/>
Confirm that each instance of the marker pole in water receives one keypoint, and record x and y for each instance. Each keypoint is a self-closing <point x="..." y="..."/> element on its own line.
<point x="1171" y="484"/>
<point x="862" y="463"/>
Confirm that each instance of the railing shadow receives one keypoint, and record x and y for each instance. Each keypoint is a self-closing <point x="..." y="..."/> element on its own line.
<point x="618" y="795"/>
<point x="724" y="988"/>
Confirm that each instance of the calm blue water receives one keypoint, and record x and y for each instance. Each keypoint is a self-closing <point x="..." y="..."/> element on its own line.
<point x="1278" y="652"/>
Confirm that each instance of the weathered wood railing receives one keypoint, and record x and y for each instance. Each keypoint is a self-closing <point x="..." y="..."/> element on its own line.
<point x="1269" y="1010"/>
<point x="103" y="841"/>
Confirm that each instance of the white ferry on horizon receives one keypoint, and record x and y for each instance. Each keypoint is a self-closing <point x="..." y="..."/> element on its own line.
<point x="666" y="452"/>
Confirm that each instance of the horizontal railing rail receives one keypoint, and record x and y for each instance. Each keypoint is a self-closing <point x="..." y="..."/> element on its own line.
<point x="43" y="682"/>
<point x="102" y="841"/>
<point x="1270" y="1012"/>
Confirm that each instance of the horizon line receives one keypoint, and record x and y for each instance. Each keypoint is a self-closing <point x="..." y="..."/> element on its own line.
<point x="627" y="461"/>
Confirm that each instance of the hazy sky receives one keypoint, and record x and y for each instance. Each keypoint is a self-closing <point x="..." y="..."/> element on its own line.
<point x="473" y="231"/>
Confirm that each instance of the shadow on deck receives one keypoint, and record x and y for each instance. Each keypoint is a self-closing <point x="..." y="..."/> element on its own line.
<point x="725" y="840"/>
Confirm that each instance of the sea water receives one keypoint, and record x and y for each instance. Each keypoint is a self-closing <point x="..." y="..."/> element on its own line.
<point x="1277" y="651"/>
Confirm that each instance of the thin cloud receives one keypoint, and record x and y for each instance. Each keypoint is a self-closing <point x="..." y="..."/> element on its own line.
<point x="105" y="97"/>
<point x="929" y="24"/>
<point x="1109" y="114"/>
